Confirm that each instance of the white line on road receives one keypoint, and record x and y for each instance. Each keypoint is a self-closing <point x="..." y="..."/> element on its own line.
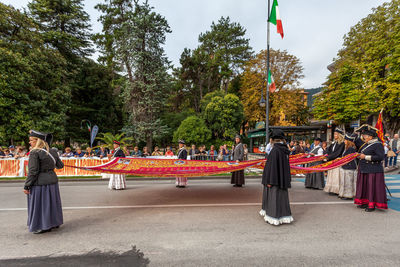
<point x="182" y="206"/>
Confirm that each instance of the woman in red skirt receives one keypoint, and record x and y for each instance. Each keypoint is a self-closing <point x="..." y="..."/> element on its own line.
<point x="371" y="190"/>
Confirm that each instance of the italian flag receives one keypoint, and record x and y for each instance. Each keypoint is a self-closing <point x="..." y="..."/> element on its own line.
<point x="271" y="83"/>
<point x="275" y="18"/>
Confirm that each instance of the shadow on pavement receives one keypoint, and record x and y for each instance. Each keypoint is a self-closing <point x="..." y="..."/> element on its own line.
<point x="131" y="257"/>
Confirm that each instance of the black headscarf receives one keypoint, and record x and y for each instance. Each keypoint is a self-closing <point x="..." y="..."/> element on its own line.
<point x="277" y="169"/>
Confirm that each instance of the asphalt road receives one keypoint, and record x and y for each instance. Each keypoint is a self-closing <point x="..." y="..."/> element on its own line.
<point x="209" y="223"/>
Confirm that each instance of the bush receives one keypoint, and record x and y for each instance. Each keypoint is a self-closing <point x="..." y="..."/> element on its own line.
<point x="193" y="130"/>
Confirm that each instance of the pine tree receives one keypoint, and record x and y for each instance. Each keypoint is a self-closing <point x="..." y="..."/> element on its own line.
<point x="132" y="38"/>
<point x="65" y="25"/>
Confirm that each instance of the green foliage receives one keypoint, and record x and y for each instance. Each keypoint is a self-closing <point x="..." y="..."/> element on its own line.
<point x="226" y="44"/>
<point x="133" y="38"/>
<point x="208" y="97"/>
<point x="224" y="116"/>
<point x="108" y="138"/>
<point x="32" y="94"/>
<point x="172" y="120"/>
<point x="193" y="130"/>
<point x="213" y="65"/>
<point x="366" y="76"/>
<point x="65" y="25"/>
<point x="93" y="99"/>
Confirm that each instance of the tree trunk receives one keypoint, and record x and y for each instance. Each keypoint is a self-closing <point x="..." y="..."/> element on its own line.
<point x="149" y="142"/>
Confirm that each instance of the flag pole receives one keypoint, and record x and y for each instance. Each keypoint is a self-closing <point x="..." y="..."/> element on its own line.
<point x="267" y="94"/>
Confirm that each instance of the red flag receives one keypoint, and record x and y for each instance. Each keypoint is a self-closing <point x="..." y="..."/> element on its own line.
<point x="379" y="126"/>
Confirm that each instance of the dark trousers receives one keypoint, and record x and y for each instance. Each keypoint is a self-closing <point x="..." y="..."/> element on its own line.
<point x="393" y="160"/>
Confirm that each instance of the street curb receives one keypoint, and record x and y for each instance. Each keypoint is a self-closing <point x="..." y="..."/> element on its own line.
<point x="136" y="179"/>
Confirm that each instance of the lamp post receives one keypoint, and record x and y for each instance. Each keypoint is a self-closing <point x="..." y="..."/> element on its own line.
<point x="265" y="102"/>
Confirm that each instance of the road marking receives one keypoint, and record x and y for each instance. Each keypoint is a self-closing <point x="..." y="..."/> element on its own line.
<point x="183" y="206"/>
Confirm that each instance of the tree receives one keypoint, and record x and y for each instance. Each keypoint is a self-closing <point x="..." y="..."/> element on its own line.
<point x="109" y="138"/>
<point x="366" y="73"/>
<point x="226" y="45"/>
<point x="136" y="35"/>
<point x="224" y="116"/>
<point x="32" y="94"/>
<point x="94" y="99"/>
<point x="193" y="130"/>
<point x="287" y="105"/>
<point x="214" y="64"/>
<point x="65" y="25"/>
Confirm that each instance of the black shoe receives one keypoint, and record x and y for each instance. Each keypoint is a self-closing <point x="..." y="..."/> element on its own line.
<point x="42" y="231"/>
<point x="237" y="185"/>
<point x="369" y="209"/>
<point x="346" y="198"/>
<point x="331" y="194"/>
<point x="362" y="206"/>
<point x="55" y="227"/>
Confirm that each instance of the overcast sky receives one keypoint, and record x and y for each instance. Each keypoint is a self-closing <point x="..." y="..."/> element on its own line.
<point x="314" y="29"/>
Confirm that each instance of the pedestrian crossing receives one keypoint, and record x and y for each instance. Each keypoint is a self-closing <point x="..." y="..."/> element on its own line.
<point x="393" y="184"/>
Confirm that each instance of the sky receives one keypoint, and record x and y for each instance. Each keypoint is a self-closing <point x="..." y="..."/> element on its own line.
<point x="313" y="29"/>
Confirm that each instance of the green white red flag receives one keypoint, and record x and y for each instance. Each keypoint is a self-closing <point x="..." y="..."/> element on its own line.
<point x="271" y="83"/>
<point x="275" y="18"/>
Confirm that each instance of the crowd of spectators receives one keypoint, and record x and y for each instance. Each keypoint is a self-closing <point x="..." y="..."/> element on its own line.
<point x="392" y="150"/>
<point x="13" y="152"/>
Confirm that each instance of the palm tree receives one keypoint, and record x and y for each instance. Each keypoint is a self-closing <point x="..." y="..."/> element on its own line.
<point x="108" y="139"/>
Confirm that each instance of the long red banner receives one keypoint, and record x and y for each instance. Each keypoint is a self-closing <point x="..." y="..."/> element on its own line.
<point x="189" y="168"/>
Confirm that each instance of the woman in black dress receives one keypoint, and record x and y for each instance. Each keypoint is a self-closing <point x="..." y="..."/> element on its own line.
<point x="371" y="191"/>
<point x="276" y="180"/>
<point x="41" y="185"/>
<point x="237" y="178"/>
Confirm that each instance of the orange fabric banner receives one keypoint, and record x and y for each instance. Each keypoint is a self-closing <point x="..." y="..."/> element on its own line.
<point x="12" y="167"/>
<point x="9" y="168"/>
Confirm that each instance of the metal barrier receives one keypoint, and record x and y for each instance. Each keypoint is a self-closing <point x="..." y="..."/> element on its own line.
<point x="204" y="157"/>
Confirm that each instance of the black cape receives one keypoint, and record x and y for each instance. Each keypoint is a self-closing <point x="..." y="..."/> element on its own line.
<point x="277" y="169"/>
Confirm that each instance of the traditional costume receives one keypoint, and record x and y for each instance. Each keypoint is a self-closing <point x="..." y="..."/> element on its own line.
<point x="276" y="180"/>
<point x="316" y="180"/>
<point x="335" y="150"/>
<point x="117" y="181"/>
<point x="237" y="178"/>
<point x="44" y="201"/>
<point x="182" y="154"/>
<point x="371" y="191"/>
<point x="348" y="172"/>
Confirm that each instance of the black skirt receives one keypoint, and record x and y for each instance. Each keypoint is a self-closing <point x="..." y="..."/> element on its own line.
<point x="238" y="177"/>
<point x="276" y="202"/>
<point x="315" y="180"/>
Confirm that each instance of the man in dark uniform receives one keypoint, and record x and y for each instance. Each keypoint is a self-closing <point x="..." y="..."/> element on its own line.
<point x="181" y="182"/>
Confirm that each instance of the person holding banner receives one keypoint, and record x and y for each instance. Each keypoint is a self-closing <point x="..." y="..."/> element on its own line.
<point x="316" y="180"/>
<point x="335" y="150"/>
<point x="41" y="185"/>
<point x="237" y="178"/>
<point x="276" y="180"/>
<point x="348" y="172"/>
<point x="117" y="181"/>
<point x="181" y="182"/>
<point x="371" y="188"/>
